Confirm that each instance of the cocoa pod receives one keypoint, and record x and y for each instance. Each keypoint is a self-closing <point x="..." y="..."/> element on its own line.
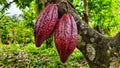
<point x="45" y="24"/>
<point x="66" y="36"/>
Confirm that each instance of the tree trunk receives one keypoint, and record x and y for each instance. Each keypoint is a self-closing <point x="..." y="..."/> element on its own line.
<point x="99" y="51"/>
<point x="86" y="15"/>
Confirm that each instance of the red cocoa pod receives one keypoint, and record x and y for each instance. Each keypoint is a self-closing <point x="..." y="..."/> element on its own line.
<point x="45" y="24"/>
<point x="66" y="36"/>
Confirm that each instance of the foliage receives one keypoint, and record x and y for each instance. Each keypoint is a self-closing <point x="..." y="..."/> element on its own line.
<point x="14" y="30"/>
<point x="17" y="29"/>
<point x="16" y="55"/>
<point x="79" y="6"/>
<point x="7" y="29"/>
<point x="103" y="13"/>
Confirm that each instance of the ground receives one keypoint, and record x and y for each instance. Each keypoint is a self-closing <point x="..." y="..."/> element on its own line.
<point x="17" y="56"/>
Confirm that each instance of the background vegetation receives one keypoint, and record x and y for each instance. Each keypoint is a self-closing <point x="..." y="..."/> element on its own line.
<point x="17" y="47"/>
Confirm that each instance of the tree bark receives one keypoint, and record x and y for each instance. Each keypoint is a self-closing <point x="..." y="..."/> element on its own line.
<point x="99" y="51"/>
<point x="86" y="15"/>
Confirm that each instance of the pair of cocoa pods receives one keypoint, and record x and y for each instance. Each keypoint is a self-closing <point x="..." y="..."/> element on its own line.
<point x="64" y="29"/>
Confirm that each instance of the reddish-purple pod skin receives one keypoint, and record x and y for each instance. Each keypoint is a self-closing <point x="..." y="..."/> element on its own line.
<point x="66" y="37"/>
<point x="45" y="24"/>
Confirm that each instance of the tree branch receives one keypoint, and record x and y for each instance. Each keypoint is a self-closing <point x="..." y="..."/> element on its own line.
<point x="86" y="15"/>
<point x="99" y="51"/>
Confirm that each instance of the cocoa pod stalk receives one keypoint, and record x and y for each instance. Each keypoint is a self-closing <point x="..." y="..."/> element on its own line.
<point x="45" y="24"/>
<point x="66" y="36"/>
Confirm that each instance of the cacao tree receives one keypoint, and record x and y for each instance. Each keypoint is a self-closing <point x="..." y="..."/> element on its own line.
<point x="99" y="51"/>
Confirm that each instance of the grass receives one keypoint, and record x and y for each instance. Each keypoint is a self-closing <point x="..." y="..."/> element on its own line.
<point x="29" y="56"/>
